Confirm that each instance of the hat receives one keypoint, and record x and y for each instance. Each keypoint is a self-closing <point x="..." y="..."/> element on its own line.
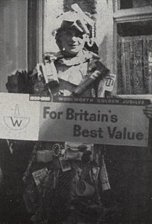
<point x="77" y="19"/>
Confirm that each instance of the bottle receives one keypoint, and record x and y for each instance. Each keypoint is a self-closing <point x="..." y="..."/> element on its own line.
<point x="50" y="75"/>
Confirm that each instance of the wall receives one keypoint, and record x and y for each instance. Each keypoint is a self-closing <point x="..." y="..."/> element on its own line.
<point x="105" y="32"/>
<point x="51" y="10"/>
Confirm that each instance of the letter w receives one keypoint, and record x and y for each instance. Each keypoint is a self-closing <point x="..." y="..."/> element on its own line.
<point x="16" y="122"/>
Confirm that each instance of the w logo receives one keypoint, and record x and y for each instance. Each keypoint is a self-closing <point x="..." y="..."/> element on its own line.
<point x="16" y="121"/>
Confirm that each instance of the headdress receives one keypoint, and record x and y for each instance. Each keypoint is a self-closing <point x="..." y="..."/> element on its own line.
<point x="79" y="20"/>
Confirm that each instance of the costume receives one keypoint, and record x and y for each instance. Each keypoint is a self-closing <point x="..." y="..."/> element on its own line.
<point x="75" y="174"/>
<point x="64" y="181"/>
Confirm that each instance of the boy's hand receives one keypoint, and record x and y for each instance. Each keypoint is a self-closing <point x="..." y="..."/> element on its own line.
<point x="148" y="111"/>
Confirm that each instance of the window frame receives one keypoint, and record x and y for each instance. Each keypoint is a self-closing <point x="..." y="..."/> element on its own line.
<point x="124" y="16"/>
<point x="35" y="32"/>
<point x="116" y="6"/>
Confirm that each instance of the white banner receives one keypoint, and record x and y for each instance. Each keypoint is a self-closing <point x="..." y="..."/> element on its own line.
<point x="87" y="120"/>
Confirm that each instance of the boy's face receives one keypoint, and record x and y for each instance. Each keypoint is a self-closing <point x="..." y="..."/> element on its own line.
<point x="72" y="41"/>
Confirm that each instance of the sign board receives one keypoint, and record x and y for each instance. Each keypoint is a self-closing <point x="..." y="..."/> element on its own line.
<point x="88" y="120"/>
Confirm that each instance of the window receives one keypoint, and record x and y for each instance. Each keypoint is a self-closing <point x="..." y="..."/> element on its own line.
<point x="133" y="34"/>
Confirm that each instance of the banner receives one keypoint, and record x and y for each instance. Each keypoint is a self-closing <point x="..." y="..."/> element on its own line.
<point x="88" y="120"/>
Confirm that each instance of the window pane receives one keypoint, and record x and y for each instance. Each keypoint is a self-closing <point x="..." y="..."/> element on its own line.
<point x="126" y="4"/>
<point x="134" y="3"/>
<point x="88" y="6"/>
<point x="135" y="28"/>
<point x="13" y="42"/>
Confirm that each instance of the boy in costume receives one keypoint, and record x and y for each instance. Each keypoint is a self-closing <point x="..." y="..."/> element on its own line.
<point x="74" y="71"/>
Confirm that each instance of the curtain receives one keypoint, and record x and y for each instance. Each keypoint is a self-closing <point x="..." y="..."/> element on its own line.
<point x="134" y="65"/>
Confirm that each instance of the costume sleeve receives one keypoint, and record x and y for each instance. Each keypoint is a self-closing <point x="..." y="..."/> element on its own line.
<point x="105" y="81"/>
<point x="98" y="68"/>
<point x="18" y="82"/>
<point x="96" y="72"/>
